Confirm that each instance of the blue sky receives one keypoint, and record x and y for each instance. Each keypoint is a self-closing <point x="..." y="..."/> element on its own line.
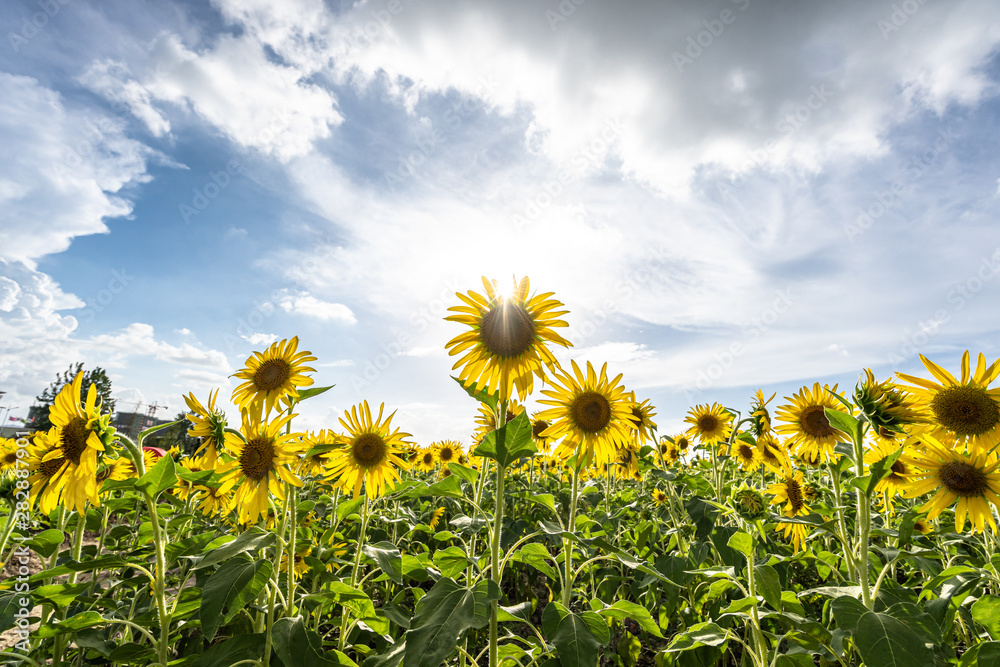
<point x="726" y="195"/>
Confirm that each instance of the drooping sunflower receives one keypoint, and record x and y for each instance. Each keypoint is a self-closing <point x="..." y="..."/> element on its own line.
<point x="968" y="480"/>
<point x="436" y="518"/>
<point x="447" y="451"/>
<point x="641" y="421"/>
<point x="209" y="424"/>
<point x="746" y="454"/>
<point x="887" y="406"/>
<point x="262" y="463"/>
<point x="590" y="413"/>
<point x="772" y="453"/>
<point x="507" y="344"/>
<point x="759" y="415"/>
<point x="711" y="424"/>
<point x="371" y="454"/>
<point x="83" y="435"/>
<point x="965" y="409"/>
<point x="790" y="491"/>
<point x="273" y="376"/>
<point x="806" y="424"/>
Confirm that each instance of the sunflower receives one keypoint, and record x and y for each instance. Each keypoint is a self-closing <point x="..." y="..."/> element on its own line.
<point x="116" y="470"/>
<point x="626" y="463"/>
<point x="886" y="406"/>
<point x="83" y="435"/>
<point x="183" y="488"/>
<point x="371" y="454"/>
<point x="273" y="376"/>
<point x="964" y="409"/>
<point x="901" y="470"/>
<point x="710" y="423"/>
<point x="209" y="424"/>
<point x="791" y="491"/>
<point x="772" y="453"/>
<point x="447" y="451"/>
<point x="43" y="468"/>
<point x="659" y="497"/>
<point x="436" y="518"/>
<point x="591" y="413"/>
<point x="261" y="465"/>
<point x="214" y="500"/>
<point x="507" y="343"/>
<point x="301" y="567"/>
<point x="806" y="423"/>
<point x="426" y="461"/>
<point x="669" y="451"/>
<point x="748" y="456"/>
<point x="923" y="526"/>
<point x="8" y="456"/>
<point x="970" y="478"/>
<point x="324" y="442"/>
<point x="538" y="428"/>
<point x="487" y="418"/>
<point x="641" y="420"/>
<point x="760" y="418"/>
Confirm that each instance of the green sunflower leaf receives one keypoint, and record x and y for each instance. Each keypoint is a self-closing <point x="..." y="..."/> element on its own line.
<point x="312" y="391"/>
<point x="510" y="442"/>
<point x="158" y="478"/>
<point x="481" y="395"/>
<point x="229" y="590"/>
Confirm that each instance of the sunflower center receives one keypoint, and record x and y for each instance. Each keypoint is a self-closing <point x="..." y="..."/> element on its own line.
<point x="428" y="459"/>
<point x="446" y="454"/>
<point x="10" y="458"/>
<point x="272" y="375"/>
<point x="815" y="423"/>
<point x="708" y="423"/>
<point x="538" y="428"/>
<point x="507" y="330"/>
<point x="637" y="418"/>
<point x="74" y="439"/>
<point x="51" y="467"/>
<point x="257" y="459"/>
<point x="591" y="412"/>
<point x="369" y="449"/>
<point x="746" y="452"/>
<point x="794" y="492"/>
<point x="963" y="479"/>
<point x="965" y="410"/>
<point x="682" y="443"/>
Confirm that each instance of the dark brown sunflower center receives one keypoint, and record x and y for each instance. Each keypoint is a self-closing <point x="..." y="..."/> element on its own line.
<point x="898" y="469"/>
<point x="745" y="452"/>
<point x="51" y="467"/>
<point x="963" y="479"/>
<point x="446" y="454"/>
<point x="507" y="330"/>
<point x="10" y="458"/>
<point x="591" y="412"/>
<point x="682" y="443"/>
<point x="369" y="449"/>
<point x="257" y="459"/>
<point x="815" y="423"/>
<point x="73" y="439"/>
<point x="637" y="418"/>
<point x="428" y="458"/>
<point x="539" y="427"/>
<point x="708" y="423"/>
<point x="794" y="491"/>
<point x="965" y="410"/>
<point x="272" y="375"/>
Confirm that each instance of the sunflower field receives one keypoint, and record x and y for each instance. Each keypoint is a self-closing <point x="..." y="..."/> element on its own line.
<point x="833" y="528"/>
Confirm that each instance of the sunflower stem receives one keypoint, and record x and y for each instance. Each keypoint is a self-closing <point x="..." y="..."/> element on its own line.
<point x="292" y="495"/>
<point x="864" y="521"/>
<point x="567" y="591"/>
<point x="841" y="523"/>
<point x="57" y="649"/>
<point x="758" y="635"/>
<point x="354" y="570"/>
<point x="495" y="544"/>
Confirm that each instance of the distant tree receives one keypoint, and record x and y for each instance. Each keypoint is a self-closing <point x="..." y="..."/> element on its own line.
<point x="175" y="435"/>
<point x="97" y="377"/>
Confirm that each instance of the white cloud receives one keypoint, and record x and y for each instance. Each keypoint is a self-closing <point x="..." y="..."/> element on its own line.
<point x="302" y="303"/>
<point x="63" y="169"/>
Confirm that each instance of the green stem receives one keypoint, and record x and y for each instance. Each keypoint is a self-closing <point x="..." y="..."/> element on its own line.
<point x="567" y="591"/>
<point x="841" y="523"/>
<point x="495" y="546"/>
<point x="291" y="494"/>
<point x="354" y="570"/>
<point x="758" y="635"/>
<point x="864" y="522"/>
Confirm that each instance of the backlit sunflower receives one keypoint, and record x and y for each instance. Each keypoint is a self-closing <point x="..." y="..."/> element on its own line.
<point x="626" y="463"/>
<point x="888" y="407"/>
<point x="542" y="441"/>
<point x="965" y="409"/>
<point x="641" y="420"/>
<point x="806" y="423"/>
<point x="711" y="424"/>
<point x="210" y="426"/>
<point x="683" y="442"/>
<point x="591" y="414"/>
<point x="772" y="453"/>
<point x="968" y="480"/>
<point x="261" y="465"/>
<point x="273" y="376"/>
<point x="371" y="454"/>
<point x="321" y="443"/>
<point x="214" y="500"/>
<point x="486" y="420"/>
<point x="83" y="436"/>
<point x="507" y="344"/>
<point x="43" y="468"/>
<point x="901" y="470"/>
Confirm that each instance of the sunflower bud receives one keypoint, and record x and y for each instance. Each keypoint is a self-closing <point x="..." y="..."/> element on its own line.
<point x="885" y="404"/>
<point x="749" y="504"/>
